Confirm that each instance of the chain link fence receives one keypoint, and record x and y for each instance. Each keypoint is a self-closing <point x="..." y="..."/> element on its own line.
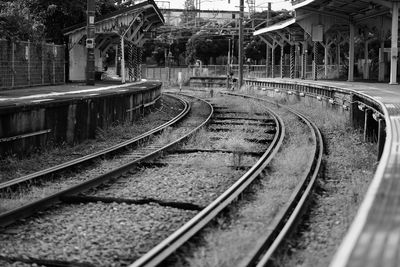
<point x="24" y="64"/>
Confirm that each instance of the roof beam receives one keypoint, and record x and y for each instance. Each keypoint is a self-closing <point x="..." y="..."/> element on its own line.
<point x="327" y="13"/>
<point x="372" y="15"/>
<point x="383" y="3"/>
<point x="284" y="38"/>
<point x="266" y="41"/>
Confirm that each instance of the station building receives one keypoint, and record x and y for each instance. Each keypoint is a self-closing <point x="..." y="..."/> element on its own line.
<point x="125" y="29"/>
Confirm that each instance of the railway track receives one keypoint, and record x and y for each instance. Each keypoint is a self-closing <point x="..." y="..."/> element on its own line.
<point x="131" y="159"/>
<point x="268" y="243"/>
<point x="134" y="142"/>
<point x="192" y="213"/>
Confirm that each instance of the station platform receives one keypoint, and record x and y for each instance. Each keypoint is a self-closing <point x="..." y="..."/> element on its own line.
<point x="31" y="118"/>
<point x="374" y="236"/>
<point x="54" y="93"/>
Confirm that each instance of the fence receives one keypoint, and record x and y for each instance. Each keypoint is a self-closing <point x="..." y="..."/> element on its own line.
<point x="25" y="64"/>
<point x="170" y="75"/>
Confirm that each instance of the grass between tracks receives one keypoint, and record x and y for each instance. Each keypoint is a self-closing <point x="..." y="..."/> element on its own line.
<point x="233" y="234"/>
<point x="13" y="166"/>
<point x="349" y="167"/>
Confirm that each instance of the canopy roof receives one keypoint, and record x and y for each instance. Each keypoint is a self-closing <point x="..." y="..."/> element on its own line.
<point x="132" y="23"/>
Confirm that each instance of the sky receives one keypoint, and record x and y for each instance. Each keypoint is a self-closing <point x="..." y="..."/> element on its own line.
<point x="223" y="4"/>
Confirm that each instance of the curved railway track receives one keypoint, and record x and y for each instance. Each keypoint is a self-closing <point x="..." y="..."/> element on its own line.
<point x="285" y="221"/>
<point x="265" y="246"/>
<point x="9" y="185"/>
<point x="139" y="155"/>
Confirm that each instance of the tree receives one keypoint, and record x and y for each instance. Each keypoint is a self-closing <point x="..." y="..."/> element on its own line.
<point x="256" y="49"/>
<point x="204" y="47"/>
<point x="17" y="22"/>
<point x="39" y="20"/>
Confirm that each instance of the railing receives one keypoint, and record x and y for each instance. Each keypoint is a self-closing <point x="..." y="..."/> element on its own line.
<point x="170" y="75"/>
<point x="25" y="64"/>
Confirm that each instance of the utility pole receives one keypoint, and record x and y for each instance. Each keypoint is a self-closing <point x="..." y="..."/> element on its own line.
<point x="241" y="39"/>
<point x="267" y="52"/>
<point x="90" y="35"/>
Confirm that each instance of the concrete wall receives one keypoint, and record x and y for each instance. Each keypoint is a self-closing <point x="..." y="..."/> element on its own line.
<point x="361" y="111"/>
<point x="23" y="129"/>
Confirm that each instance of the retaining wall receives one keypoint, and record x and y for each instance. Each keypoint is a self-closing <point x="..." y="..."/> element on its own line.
<point x="362" y="111"/>
<point x="32" y="126"/>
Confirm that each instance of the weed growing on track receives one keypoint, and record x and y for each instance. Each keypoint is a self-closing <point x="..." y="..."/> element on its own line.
<point x="13" y="166"/>
<point x="349" y="167"/>
<point x="235" y="232"/>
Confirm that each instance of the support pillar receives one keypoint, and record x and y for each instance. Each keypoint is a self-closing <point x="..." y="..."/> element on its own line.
<point x="394" y="48"/>
<point x="315" y="71"/>
<point x="135" y="62"/>
<point x="267" y="61"/>
<point x="326" y="52"/>
<point x="139" y="65"/>
<point x="90" y="43"/>
<point x="130" y="61"/>
<point x="367" y="121"/>
<point x="292" y="61"/>
<point x="381" y="71"/>
<point x="273" y="61"/>
<point x="282" y="57"/>
<point x="240" y="44"/>
<point x="296" y="60"/>
<point x="122" y="60"/>
<point x="338" y="59"/>
<point x="304" y="61"/>
<point x="366" y="64"/>
<point x="116" y="59"/>
<point x="351" y="53"/>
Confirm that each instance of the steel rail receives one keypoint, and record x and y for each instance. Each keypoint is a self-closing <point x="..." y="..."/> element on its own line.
<point x="164" y="249"/>
<point x="75" y="162"/>
<point x="292" y="212"/>
<point x="24" y="211"/>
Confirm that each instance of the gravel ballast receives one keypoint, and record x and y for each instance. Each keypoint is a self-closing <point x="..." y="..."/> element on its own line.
<point x="100" y="234"/>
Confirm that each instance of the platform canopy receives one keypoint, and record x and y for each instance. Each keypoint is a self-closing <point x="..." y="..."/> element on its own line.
<point x="133" y="23"/>
<point x="335" y="21"/>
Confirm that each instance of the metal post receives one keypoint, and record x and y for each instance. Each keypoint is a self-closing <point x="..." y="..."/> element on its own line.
<point x="90" y="60"/>
<point x="282" y="55"/>
<point x="123" y="59"/>
<point x="367" y="118"/>
<point x="241" y="50"/>
<point x="267" y="47"/>
<point x="273" y="61"/>
<point x="139" y="65"/>
<point x="130" y="61"/>
<point x="315" y="71"/>
<point x="13" y="65"/>
<point x="326" y="52"/>
<point x="381" y="137"/>
<point x="29" y="63"/>
<point x="351" y="53"/>
<point x="394" y="49"/>
<point x="54" y="64"/>
<point x="366" y="65"/>
<point x="338" y="59"/>
<point x="43" y="53"/>
<point x="381" y="71"/>
<point x="116" y="59"/>
<point x="292" y="61"/>
<point x="304" y="61"/>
